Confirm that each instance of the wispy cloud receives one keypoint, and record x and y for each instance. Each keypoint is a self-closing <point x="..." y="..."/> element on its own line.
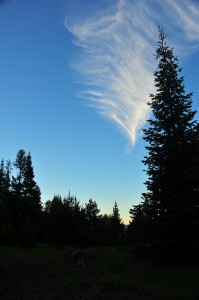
<point x="116" y="61"/>
<point x="188" y="17"/>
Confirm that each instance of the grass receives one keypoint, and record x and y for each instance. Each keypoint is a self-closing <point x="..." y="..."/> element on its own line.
<point x="110" y="273"/>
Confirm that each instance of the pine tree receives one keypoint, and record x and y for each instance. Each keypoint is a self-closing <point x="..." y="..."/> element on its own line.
<point x="115" y="217"/>
<point x="170" y="199"/>
<point x="2" y="182"/>
<point x="5" y="208"/>
<point x="93" y="221"/>
<point x="92" y="212"/>
<point x="7" y="232"/>
<point x="56" y="225"/>
<point x="26" y="202"/>
<point x="117" y="225"/>
<point x="74" y="220"/>
<point x="31" y="192"/>
<point x="116" y="213"/>
<point x="17" y="188"/>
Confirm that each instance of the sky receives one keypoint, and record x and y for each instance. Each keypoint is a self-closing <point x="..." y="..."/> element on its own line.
<point x="75" y="77"/>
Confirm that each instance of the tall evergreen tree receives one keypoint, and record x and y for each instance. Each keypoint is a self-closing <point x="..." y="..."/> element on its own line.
<point x="116" y="213"/>
<point x="75" y="220"/>
<point x="117" y="225"/>
<point x="172" y="188"/>
<point x="56" y="224"/>
<point x="17" y="188"/>
<point x="5" y="198"/>
<point x="5" y="171"/>
<point x="116" y="220"/>
<point x="26" y="201"/>
<point x="31" y="192"/>
<point x="7" y="232"/>
<point x="93" y="220"/>
<point x="2" y="182"/>
<point x="92" y="212"/>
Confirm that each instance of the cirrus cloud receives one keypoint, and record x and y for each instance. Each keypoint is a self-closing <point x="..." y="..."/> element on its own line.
<point x="116" y="62"/>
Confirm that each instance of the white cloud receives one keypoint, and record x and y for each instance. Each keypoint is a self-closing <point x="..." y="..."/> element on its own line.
<point x="188" y="17"/>
<point x="116" y="62"/>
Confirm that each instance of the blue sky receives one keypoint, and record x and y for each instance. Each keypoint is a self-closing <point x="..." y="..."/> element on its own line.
<point x="74" y="81"/>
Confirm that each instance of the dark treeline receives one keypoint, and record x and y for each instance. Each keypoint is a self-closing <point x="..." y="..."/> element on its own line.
<point x="60" y="221"/>
<point x="67" y="222"/>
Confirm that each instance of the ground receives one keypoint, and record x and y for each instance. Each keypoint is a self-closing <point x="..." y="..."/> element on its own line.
<point x="109" y="273"/>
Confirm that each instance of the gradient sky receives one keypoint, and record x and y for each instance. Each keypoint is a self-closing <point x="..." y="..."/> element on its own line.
<point x="75" y="76"/>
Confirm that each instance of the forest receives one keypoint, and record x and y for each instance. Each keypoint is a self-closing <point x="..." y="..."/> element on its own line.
<point x="166" y="222"/>
<point x="60" y="221"/>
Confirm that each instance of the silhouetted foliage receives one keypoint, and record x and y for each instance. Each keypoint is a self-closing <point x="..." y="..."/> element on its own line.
<point x="61" y="221"/>
<point x="117" y="225"/>
<point x="170" y="206"/>
<point x="20" y="203"/>
<point x="66" y="222"/>
<point x="26" y="200"/>
<point x="7" y="231"/>
<point x="139" y="226"/>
